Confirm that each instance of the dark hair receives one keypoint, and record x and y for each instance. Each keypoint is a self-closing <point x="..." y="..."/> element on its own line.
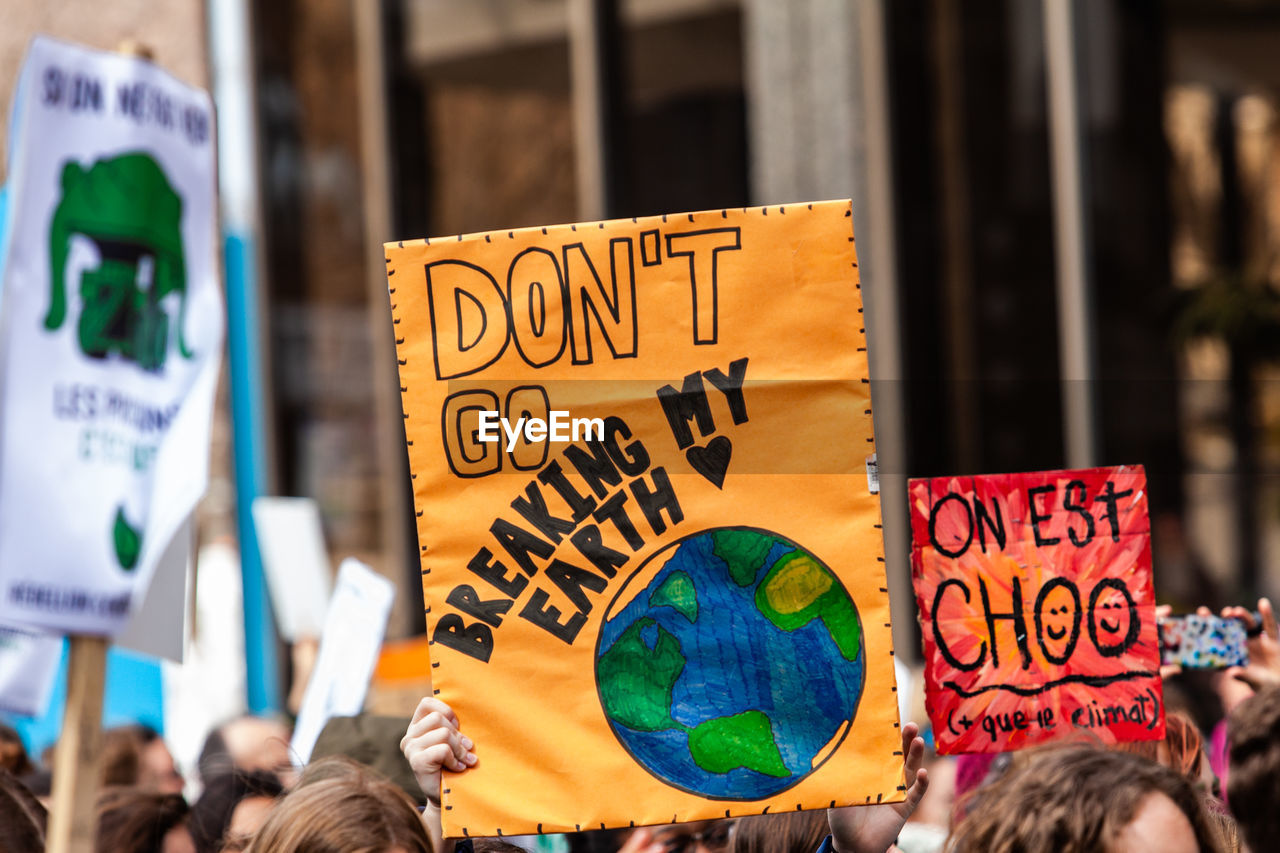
<point x="1253" y="782"/>
<point x="214" y="759"/>
<point x="122" y="753"/>
<point x="341" y="807"/>
<point x="39" y="782"/>
<point x="211" y="814"/>
<point x="784" y="832"/>
<point x="22" y="819"/>
<point x="131" y="820"/>
<point x="1073" y="799"/>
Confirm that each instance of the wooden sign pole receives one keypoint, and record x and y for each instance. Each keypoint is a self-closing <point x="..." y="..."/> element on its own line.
<point x="75" y="763"/>
<point x="73" y="804"/>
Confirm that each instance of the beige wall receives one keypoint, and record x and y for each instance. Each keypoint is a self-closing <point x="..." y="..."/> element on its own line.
<point x="174" y="30"/>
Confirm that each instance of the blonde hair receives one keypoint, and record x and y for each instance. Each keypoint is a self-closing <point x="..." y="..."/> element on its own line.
<point x="349" y="809"/>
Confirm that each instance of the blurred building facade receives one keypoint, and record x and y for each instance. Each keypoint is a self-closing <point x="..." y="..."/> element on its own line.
<point x="389" y="119"/>
<point x="710" y="103"/>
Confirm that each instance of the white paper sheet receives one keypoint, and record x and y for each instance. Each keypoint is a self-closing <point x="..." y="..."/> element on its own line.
<point x="296" y="563"/>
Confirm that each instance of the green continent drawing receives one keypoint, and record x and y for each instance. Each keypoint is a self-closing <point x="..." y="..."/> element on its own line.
<point x="639" y="679"/>
<point x="798" y="590"/>
<point x="731" y="663"/>
<point x="742" y="740"/>
<point x="128" y="208"/>
<point x="743" y="551"/>
<point x="678" y="592"/>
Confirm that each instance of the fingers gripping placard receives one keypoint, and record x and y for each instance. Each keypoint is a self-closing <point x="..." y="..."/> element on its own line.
<point x="651" y="562"/>
<point x="1036" y="607"/>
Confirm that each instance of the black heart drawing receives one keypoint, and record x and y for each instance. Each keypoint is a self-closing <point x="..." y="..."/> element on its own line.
<point x="711" y="461"/>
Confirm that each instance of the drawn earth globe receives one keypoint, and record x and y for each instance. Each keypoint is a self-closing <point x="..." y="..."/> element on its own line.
<point x="730" y="664"/>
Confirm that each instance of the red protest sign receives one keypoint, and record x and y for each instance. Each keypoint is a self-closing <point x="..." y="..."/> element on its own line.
<point x="1036" y="607"/>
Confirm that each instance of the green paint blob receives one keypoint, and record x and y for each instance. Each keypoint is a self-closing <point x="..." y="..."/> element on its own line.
<point x="127" y="540"/>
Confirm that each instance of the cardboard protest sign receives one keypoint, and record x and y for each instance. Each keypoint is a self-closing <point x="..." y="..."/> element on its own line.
<point x="110" y="333"/>
<point x="1036" y="607"/>
<point x="353" y="629"/>
<point x="652" y="565"/>
<point x="296" y="563"/>
<point x="159" y="626"/>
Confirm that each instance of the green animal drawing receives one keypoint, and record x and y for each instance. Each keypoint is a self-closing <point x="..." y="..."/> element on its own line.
<point x="128" y="208"/>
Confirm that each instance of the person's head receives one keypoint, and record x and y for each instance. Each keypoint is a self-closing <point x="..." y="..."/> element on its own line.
<point x="136" y="755"/>
<point x="700" y="836"/>
<point x="13" y="755"/>
<point x="374" y="741"/>
<point x="340" y="807"/>
<point x="1253" y="778"/>
<point x="243" y="795"/>
<point x="1181" y="750"/>
<point x="247" y="743"/>
<point x="1081" y="798"/>
<point x="784" y="832"/>
<point x="133" y="820"/>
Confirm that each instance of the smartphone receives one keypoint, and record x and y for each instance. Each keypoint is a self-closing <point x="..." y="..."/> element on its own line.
<point x="1202" y="642"/>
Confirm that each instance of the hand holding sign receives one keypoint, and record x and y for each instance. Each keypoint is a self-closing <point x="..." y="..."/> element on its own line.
<point x="1036" y="604"/>
<point x="433" y="743"/>
<point x="875" y="828"/>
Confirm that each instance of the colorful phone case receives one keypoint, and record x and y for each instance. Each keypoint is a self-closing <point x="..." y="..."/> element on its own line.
<point x="1203" y="642"/>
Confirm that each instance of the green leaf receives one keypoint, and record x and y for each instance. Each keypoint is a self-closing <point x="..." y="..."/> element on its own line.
<point x="128" y="542"/>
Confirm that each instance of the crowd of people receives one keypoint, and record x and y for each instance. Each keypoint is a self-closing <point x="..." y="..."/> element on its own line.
<point x="1211" y="785"/>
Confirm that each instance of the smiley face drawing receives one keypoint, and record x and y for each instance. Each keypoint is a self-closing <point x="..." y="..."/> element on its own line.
<point x="1113" y="618"/>
<point x="1058" y="615"/>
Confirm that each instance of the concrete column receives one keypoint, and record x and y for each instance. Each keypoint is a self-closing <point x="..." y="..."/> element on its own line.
<point x="818" y="104"/>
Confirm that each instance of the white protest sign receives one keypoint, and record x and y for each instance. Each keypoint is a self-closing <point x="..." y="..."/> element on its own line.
<point x="111" y="325"/>
<point x="295" y="562"/>
<point x="28" y="667"/>
<point x="353" y="629"/>
<point x="159" y="624"/>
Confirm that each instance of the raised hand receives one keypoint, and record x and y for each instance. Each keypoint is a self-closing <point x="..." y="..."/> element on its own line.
<point x="873" y="829"/>
<point x="433" y="743"/>
<point x="1263" y="645"/>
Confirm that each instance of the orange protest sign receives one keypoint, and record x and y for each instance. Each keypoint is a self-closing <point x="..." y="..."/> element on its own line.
<point x="652" y="560"/>
<point x="1037" y="608"/>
